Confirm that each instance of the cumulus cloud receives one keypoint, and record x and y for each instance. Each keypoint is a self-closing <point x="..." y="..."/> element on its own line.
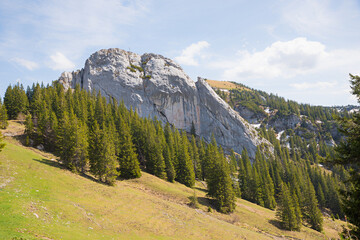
<point x="30" y="65"/>
<point x="285" y="59"/>
<point x="60" y="62"/>
<point x="188" y="55"/>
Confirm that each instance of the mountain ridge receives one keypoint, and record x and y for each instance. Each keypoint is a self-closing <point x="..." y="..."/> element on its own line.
<point x="158" y="87"/>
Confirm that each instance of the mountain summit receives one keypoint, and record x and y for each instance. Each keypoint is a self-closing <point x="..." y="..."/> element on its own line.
<point x="158" y="87"/>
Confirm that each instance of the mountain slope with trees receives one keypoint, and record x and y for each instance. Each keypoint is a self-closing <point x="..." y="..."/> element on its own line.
<point x="40" y="199"/>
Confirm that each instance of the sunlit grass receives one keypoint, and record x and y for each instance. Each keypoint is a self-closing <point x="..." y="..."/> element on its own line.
<point x="41" y="200"/>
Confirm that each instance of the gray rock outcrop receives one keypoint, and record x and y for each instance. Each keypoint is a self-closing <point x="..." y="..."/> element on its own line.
<point x="287" y="122"/>
<point x="157" y="86"/>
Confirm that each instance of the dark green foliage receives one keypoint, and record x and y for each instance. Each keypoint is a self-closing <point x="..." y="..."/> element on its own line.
<point x="312" y="213"/>
<point x="193" y="129"/>
<point x="3" y="116"/>
<point x="103" y="160"/>
<point x="74" y="143"/>
<point x="16" y="101"/>
<point x="129" y="164"/>
<point x="184" y="168"/>
<point x="219" y="181"/>
<point x="155" y="163"/>
<point x="169" y="166"/>
<point x="288" y="211"/>
<point x="195" y="157"/>
<point x="348" y="154"/>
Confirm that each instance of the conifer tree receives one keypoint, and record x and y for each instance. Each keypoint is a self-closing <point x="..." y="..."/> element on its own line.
<point x="103" y="160"/>
<point x="286" y="212"/>
<point x="245" y="176"/>
<point x="154" y="160"/>
<point x="312" y="213"/>
<point x="202" y="156"/>
<point x="185" y="169"/>
<point x="219" y="182"/>
<point x="129" y="164"/>
<point x="195" y="157"/>
<point x="169" y="167"/>
<point x="348" y="154"/>
<point x="3" y="116"/>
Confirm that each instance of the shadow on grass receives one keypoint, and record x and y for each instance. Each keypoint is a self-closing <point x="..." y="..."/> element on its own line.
<point x="200" y="189"/>
<point x="50" y="163"/>
<point x="61" y="166"/>
<point x="208" y="202"/>
<point x="276" y="223"/>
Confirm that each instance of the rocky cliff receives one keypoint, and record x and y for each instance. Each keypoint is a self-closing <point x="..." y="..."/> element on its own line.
<point x="157" y="86"/>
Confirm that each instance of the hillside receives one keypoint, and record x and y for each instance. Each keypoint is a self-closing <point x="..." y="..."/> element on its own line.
<point x="41" y="200"/>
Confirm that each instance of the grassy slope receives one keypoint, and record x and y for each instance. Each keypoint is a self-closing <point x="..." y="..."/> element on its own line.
<point x="225" y="85"/>
<point x="40" y="200"/>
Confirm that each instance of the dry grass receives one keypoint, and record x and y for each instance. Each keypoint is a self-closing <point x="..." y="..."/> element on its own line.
<point x="41" y="200"/>
<point x="225" y="85"/>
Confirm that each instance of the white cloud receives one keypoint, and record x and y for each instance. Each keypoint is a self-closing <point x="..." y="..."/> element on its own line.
<point x="60" y="62"/>
<point x="188" y="55"/>
<point x="285" y="59"/>
<point x="317" y="85"/>
<point x="30" y="65"/>
<point x="71" y="27"/>
<point x="320" y="17"/>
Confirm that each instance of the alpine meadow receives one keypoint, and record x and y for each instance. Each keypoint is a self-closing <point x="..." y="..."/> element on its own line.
<point x="142" y="119"/>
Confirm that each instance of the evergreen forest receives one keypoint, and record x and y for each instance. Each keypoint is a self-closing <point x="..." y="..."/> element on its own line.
<point x="100" y="137"/>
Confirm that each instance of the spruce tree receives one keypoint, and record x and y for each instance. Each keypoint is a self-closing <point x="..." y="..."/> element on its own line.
<point x="287" y="210"/>
<point x="103" y="160"/>
<point x="185" y="169"/>
<point x="169" y="166"/>
<point x="245" y="176"/>
<point x="195" y="157"/>
<point x="129" y="164"/>
<point x="219" y="182"/>
<point x="312" y="213"/>
<point x="348" y="154"/>
<point x="3" y="116"/>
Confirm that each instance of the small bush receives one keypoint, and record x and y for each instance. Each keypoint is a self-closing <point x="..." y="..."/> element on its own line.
<point x="194" y="201"/>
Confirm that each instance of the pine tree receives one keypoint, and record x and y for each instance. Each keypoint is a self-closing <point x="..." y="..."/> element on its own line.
<point x="219" y="182"/>
<point x="185" y="169"/>
<point x="3" y="116"/>
<point x="169" y="167"/>
<point x="155" y="163"/>
<point x="129" y="164"/>
<point x="312" y="213"/>
<point x="245" y="176"/>
<point x="287" y="210"/>
<point x="103" y="160"/>
<point x="193" y="129"/>
<point x="348" y="153"/>
<point x="195" y="157"/>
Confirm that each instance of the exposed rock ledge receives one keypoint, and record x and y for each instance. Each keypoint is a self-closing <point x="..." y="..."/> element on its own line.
<point x="157" y="86"/>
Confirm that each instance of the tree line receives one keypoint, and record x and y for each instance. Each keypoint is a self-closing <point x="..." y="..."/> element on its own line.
<point x="92" y="134"/>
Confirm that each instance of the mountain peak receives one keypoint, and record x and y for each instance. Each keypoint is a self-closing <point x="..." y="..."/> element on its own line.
<point x="157" y="86"/>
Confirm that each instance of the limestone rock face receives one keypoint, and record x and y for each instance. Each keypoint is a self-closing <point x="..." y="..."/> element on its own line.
<point x="250" y="116"/>
<point x="288" y="122"/>
<point x="157" y="86"/>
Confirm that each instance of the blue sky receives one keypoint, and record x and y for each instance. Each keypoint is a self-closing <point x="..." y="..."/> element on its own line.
<point x="301" y="50"/>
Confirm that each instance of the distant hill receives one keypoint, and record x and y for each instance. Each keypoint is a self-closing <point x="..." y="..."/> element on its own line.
<point x="262" y="109"/>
